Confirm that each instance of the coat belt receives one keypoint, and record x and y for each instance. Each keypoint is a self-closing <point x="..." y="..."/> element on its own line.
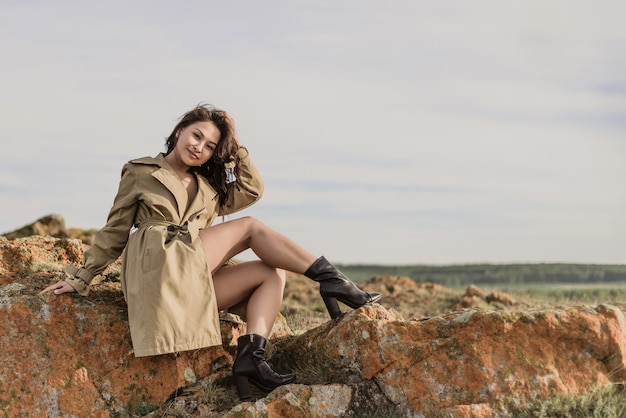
<point x="188" y="229"/>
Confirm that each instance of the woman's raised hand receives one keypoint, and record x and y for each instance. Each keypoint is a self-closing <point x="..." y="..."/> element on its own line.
<point x="231" y="122"/>
<point x="59" y="288"/>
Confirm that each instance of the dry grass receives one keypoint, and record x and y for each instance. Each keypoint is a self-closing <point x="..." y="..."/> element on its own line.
<point x="603" y="402"/>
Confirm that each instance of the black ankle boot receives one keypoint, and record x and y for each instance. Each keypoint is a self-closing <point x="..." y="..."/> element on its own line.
<point x="335" y="286"/>
<point x="250" y="366"/>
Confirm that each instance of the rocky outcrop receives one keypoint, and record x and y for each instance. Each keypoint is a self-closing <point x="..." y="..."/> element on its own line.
<point x="71" y="356"/>
<point x="52" y="225"/>
<point x="477" y="360"/>
<point x="67" y="357"/>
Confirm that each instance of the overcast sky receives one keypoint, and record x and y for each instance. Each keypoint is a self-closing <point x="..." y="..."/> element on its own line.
<point x="407" y="132"/>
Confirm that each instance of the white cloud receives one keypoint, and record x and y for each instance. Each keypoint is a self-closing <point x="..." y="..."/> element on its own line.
<point x="422" y="132"/>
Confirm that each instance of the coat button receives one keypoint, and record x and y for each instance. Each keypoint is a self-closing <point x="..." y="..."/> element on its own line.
<point x="171" y="228"/>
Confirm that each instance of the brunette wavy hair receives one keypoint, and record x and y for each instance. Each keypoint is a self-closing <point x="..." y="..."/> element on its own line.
<point x="225" y="152"/>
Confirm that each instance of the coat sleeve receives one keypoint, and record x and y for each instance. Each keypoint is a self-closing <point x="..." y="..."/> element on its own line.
<point x="110" y="241"/>
<point x="250" y="190"/>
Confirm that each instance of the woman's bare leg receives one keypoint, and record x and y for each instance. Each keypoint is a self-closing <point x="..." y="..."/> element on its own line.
<point x="225" y="240"/>
<point x="228" y="239"/>
<point x="261" y="281"/>
<point x="263" y="285"/>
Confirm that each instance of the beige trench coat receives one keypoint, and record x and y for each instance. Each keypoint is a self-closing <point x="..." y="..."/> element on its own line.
<point x="165" y="276"/>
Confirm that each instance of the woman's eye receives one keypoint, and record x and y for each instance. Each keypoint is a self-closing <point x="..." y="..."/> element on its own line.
<point x="195" y="135"/>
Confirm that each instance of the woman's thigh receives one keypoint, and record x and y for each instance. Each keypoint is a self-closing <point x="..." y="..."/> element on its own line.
<point x="224" y="241"/>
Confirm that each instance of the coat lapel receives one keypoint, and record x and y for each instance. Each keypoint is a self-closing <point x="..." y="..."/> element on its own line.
<point x="205" y="197"/>
<point x="166" y="175"/>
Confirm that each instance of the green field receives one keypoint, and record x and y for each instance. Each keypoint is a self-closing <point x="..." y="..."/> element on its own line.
<point x="499" y="275"/>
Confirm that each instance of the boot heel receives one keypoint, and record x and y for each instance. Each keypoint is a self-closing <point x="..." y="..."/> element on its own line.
<point x="243" y="387"/>
<point x="332" y="306"/>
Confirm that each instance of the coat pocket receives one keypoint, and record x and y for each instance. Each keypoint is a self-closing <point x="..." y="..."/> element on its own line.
<point x="152" y="242"/>
<point x="146" y="259"/>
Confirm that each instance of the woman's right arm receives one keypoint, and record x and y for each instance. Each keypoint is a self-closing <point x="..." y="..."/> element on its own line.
<point x="109" y="242"/>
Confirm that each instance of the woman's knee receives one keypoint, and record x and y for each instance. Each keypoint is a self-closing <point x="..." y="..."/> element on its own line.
<point x="282" y="277"/>
<point x="271" y="274"/>
<point x="277" y="276"/>
<point x="254" y="225"/>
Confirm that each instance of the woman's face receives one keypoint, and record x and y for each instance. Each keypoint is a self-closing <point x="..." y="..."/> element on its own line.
<point x="196" y="143"/>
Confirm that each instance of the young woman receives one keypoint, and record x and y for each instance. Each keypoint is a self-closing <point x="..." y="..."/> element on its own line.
<point x="175" y="276"/>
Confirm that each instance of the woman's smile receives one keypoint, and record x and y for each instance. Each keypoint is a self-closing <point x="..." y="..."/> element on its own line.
<point x="193" y="154"/>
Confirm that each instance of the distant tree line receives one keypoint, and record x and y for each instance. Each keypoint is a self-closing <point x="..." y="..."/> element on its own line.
<point x="494" y="274"/>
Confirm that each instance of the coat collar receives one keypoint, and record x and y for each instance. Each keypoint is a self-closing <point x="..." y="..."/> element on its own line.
<point x="168" y="177"/>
